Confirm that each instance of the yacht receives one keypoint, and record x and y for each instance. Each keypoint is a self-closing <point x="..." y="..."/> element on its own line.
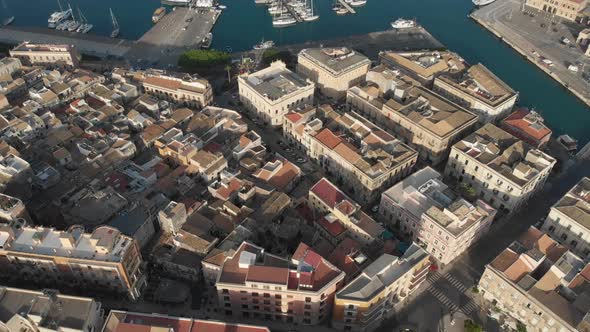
<point x="158" y="14"/>
<point x="277" y="9"/>
<point x="73" y="26"/>
<point x="357" y="3"/>
<point x="84" y="27"/>
<point x="58" y="17"/>
<point x="63" y="25"/>
<point x="176" y="2"/>
<point x="8" y="21"/>
<point x="283" y="21"/>
<point x="309" y="14"/>
<point x="116" y="30"/>
<point x="480" y="3"/>
<point x="222" y="6"/>
<point x="401" y="23"/>
<point x="263" y="45"/>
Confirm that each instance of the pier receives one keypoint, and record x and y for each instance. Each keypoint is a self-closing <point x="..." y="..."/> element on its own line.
<point x="347" y="6"/>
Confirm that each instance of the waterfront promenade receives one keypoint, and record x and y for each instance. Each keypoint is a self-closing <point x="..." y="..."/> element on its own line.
<point x="537" y="38"/>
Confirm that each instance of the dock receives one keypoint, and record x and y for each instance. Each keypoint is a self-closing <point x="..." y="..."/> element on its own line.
<point x="292" y="11"/>
<point x="347" y="6"/>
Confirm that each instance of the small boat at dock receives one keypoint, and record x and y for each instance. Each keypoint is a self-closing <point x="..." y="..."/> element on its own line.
<point x="283" y="21"/>
<point x="263" y="45"/>
<point x="206" y="42"/>
<point x="402" y="23"/>
<point x="58" y="17"/>
<point x="8" y="21"/>
<point x="481" y="3"/>
<point x="158" y="14"/>
<point x="116" y="29"/>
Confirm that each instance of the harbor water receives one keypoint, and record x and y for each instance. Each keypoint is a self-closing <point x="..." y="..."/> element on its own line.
<point x="244" y="24"/>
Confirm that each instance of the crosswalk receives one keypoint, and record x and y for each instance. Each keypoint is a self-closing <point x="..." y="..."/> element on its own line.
<point x="449" y="296"/>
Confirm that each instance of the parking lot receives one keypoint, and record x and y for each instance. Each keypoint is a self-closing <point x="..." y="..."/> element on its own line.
<point x="545" y="40"/>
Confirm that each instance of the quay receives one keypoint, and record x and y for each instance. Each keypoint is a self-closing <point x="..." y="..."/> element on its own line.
<point x="523" y="33"/>
<point x="347" y="6"/>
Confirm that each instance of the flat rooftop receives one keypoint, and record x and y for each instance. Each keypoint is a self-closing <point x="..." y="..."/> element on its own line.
<point x="103" y="244"/>
<point x="505" y="154"/>
<point x="276" y="82"/>
<point x="381" y="273"/>
<point x="30" y="47"/>
<point x="336" y="60"/>
<point x="576" y="203"/>
<point x="432" y="112"/>
<point x="481" y="84"/>
<point x="425" y="64"/>
<point x="56" y="311"/>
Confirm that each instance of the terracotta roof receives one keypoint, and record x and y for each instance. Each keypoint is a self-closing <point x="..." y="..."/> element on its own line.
<point x="517" y="120"/>
<point x="163" y="82"/>
<point x="504" y="260"/>
<point x="517" y="270"/>
<point x="211" y="326"/>
<point x="327" y="192"/>
<point x="328" y="138"/>
<point x="335" y="228"/>
<point x="268" y="274"/>
<point x="293" y="117"/>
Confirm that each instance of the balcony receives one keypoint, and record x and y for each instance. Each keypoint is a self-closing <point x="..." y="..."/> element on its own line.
<point x="376" y="307"/>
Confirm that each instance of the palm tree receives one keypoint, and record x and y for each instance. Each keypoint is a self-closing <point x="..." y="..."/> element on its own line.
<point x="228" y="69"/>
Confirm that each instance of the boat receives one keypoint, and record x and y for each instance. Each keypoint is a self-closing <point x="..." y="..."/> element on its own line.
<point x="176" y="2"/>
<point x="73" y="25"/>
<point x="85" y="27"/>
<point x="341" y="11"/>
<point x="481" y="3"/>
<point x="283" y="21"/>
<point x="222" y="6"/>
<point x="309" y="14"/>
<point x="263" y="45"/>
<point x="357" y="3"/>
<point x="58" y="17"/>
<point x="8" y="21"/>
<point x="206" y="42"/>
<point x="262" y="2"/>
<point x="277" y="9"/>
<point x="63" y="25"/>
<point x="116" y="30"/>
<point x="401" y="23"/>
<point x="158" y="14"/>
<point x="569" y="143"/>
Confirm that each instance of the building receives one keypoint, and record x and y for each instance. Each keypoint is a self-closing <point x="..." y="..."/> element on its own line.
<point x="47" y="310"/>
<point x="104" y="259"/>
<point x="172" y="217"/>
<point x="364" y="157"/>
<point x="9" y="66"/>
<point x="327" y="200"/>
<point x="425" y="208"/>
<point x="499" y="168"/>
<point x="182" y="89"/>
<point x="528" y="126"/>
<point x="58" y="55"/>
<point x="272" y="92"/>
<point x="256" y="284"/>
<point x="425" y="120"/>
<point x="478" y="90"/>
<point x="11" y="208"/>
<point x="568" y="221"/>
<point x="370" y="298"/>
<point x="540" y="284"/>
<point x="423" y="66"/>
<point x="570" y="10"/>
<point x="333" y="70"/>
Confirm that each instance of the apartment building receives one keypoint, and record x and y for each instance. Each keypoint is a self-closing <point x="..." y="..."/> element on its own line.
<point x="528" y="126"/>
<point x="58" y="55"/>
<point x="371" y="297"/>
<point x="272" y="92"/>
<point x="47" y="310"/>
<point x="333" y="70"/>
<point x="427" y="121"/>
<point x="423" y="66"/>
<point x="255" y="284"/>
<point x="570" y="10"/>
<point x="337" y="208"/>
<point x="478" y="90"/>
<point x="363" y="157"/>
<point x="183" y="89"/>
<point x="425" y="208"/>
<point x="121" y="321"/>
<point x="9" y="66"/>
<point x="104" y="259"/>
<point x="499" y="168"/>
<point x="568" y="221"/>
<point x="540" y="284"/>
<point x="12" y="208"/>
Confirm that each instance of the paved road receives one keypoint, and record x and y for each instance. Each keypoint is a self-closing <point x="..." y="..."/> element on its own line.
<point x="542" y="34"/>
<point x="449" y="290"/>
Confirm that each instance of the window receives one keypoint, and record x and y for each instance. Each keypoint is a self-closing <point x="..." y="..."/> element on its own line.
<point x="308" y="299"/>
<point x="551" y="228"/>
<point x="564" y="236"/>
<point x="574" y="243"/>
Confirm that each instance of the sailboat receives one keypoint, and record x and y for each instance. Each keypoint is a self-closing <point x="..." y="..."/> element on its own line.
<point x="85" y="27"/>
<point x="283" y="20"/>
<point x="116" y="30"/>
<point x="58" y="17"/>
<point x="9" y="19"/>
<point x="310" y="16"/>
<point x="74" y="24"/>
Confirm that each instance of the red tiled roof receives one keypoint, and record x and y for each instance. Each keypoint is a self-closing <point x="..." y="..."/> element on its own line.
<point x="293" y="117"/>
<point x="327" y="192"/>
<point x="268" y="274"/>
<point x="517" y="120"/>
<point x="210" y="326"/>
<point x="328" y="138"/>
<point x="335" y="228"/>
<point x="139" y="320"/>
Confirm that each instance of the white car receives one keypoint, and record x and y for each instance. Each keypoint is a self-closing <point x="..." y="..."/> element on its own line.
<point x="573" y="68"/>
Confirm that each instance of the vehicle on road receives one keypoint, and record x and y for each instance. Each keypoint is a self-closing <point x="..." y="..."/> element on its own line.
<point x="565" y="41"/>
<point x="573" y="68"/>
<point x="375" y="209"/>
<point x="301" y="160"/>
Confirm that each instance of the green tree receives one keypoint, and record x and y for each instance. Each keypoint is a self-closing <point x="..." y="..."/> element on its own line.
<point x="273" y="55"/>
<point x="520" y="327"/>
<point x="470" y="326"/>
<point x="194" y="60"/>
